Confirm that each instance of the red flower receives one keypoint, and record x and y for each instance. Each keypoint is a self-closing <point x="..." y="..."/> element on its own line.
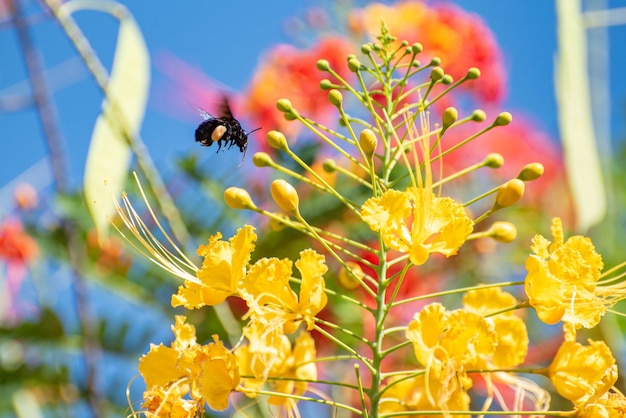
<point x="287" y="72"/>
<point x="460" y="39"/>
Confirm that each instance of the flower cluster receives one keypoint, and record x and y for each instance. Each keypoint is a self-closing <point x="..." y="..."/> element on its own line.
<point x="389" y="161"/>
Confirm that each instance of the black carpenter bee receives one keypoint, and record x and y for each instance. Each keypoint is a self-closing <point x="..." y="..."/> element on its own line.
<point x="224" y="129"/>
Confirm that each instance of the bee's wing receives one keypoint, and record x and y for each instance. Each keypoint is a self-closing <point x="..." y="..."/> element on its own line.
<point x="224" y="108"/>
<point x="206" y="115"/>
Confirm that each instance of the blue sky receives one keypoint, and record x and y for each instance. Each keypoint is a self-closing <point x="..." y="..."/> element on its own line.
<point x="225" y="40"/>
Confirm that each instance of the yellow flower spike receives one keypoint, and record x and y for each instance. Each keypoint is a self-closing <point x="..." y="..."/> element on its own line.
<point x="277" y="140"/>
<point x="531" y="172"/>
<point x="503" y="231"/>
<point x="562" y="278"/>
<point x="285" y="196"/>
<point x="583" y="373"/>
<point x="509" y="194"/>
<point x="368" y="141"/>
<point x="238" y="198"/>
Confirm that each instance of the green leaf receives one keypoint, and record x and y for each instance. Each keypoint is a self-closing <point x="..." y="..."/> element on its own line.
<point x="109" y="156"/>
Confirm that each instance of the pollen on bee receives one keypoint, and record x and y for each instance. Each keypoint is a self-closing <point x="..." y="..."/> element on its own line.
<point x="218" y="132"/>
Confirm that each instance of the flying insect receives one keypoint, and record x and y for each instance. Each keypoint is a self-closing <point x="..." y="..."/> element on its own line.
<point x="223" y="129"/>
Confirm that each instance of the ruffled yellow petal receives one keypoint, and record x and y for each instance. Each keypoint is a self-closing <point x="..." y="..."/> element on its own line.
<point x="582" y="373"/>
<point x="219" y="376"/>
<point x="223" y="268"/>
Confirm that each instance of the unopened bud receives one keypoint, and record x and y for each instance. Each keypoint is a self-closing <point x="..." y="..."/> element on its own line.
<point x="435" y="61"/>
<point x="450" y="115"/>
<point x="285" y="196"/>
<point x="531" y="172"/>
<point x="366" y="49"/>
<point x="436" y="74"/>
<point x="335" y="97"/>
<point x="509" y="193"/>
<point x="284" y="105"/>
<point x="478" y="115"/>
<point x="368" y="141"/>
<point x="352" y="278"/>
<point x="323" y="65"/>
<point x="494" y="160"/>
<point x="503" y="231"/>
<point x="329" y="165"/>
<point x="277" y="224"/>
<point x="416" y="48"/>
<point x="326" y="84"/>
<point x="503" y="119"/>
<point x="354" y="65"/>
<point x="447" y="79"/>
<point x="262" y="159"/>
<point x="277" y="140"/>
<point x="238" y="198"/>
<point x="473" y="73"/>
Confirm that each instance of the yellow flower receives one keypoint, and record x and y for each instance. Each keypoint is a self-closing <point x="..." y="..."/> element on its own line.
<point x="417" y="222"/>
<point x="583" y="373"/>
<point x="458" y="338"/>
<point x="297" y="363"/>
<point x="562" y="278"/>
<point x="610" y="405"/>
<point x="271" y="356"/>
<point x="511" y="332"/>
<point x="424" y="393"/>
<point x="223" y="268"/>
<point x="271" y="300"/>
<point x="207" y="372"/>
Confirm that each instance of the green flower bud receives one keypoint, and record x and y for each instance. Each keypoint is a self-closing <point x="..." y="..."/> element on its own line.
<point x="416" y="48"/>
<point x="284" y="105"/>
<point x="493" y="160"/>
<point x="366" y="49"/>
<point x="354" y="65"/>
<point x="447" y="79"/>
<point x="531" y="172"/>
<point x="503" y="119"/>
<point x="326" y="84"/>
<point x="262" y="159"/>
<point x="503" y="231"/>
<point x="473" y="73"/>
<point x="323" y="65"/>
<point x="436" y="74"/>
<point x="478" y="115"/>
<point x="335" y="97"/>
<point x="450" y="115"/>
<point x="329" y="165"/>
<point x="277" y="140"/>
